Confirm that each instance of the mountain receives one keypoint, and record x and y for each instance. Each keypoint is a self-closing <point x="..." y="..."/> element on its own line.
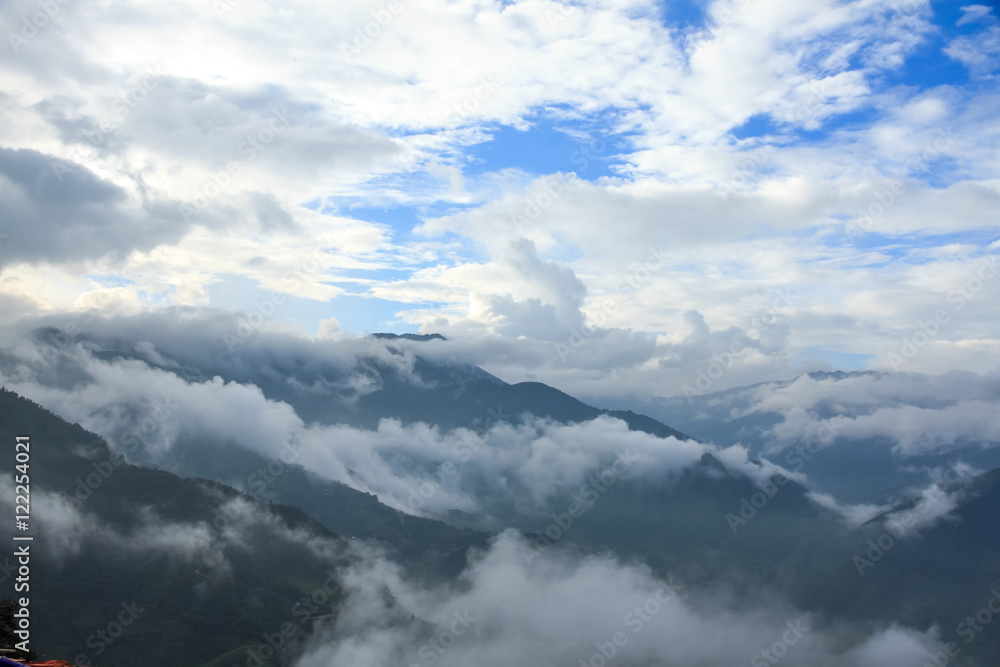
<point x="920" y="567"/>
<point x="870" y="435"/>
<point x="432" y="548"/>
<point x="408" y="336"/>
<point x="132" y="565"/>
<point x="311" y="444"/>
<point x="402" y="384"/>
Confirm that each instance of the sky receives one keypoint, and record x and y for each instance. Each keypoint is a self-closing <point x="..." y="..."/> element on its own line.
<point x="628" y="200"/>
<point x="613" y="197"/>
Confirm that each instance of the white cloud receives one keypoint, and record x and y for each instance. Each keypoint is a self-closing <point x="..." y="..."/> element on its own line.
<point x="563" y="610"/>
<point x="934" y="504"/>
<point x="738" y="217"/>
<point x="511" y="469"/>
<point x="980" y="52"/>
<point x="918" y="414"/>
<point x="854" y="515"/>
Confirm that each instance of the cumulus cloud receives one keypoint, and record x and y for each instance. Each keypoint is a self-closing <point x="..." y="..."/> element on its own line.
<point x="373" y="149"/>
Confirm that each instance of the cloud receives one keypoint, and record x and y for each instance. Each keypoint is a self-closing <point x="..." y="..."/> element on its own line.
<point x="721" y="145"/>
<point x="974" y="13"/>
<point x="979" y="52"/>
<point x="146" y="404"/>
<point x="566" y="609"/>
<point x="68" y="527"/>
<point x="557" y="608"/>
<point x="934" y="504"/>
<point x="14" y="307"/>
<point x="854" y="515"/>
<point x="553" y="306"/>
<point x="178" y="382"/>
<point x="59" y="213"/>
<point x="59" y="521"/>
<point x="918" y="414"/>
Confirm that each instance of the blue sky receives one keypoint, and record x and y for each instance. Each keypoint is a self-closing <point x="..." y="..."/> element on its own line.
<point x="513" y="174"/>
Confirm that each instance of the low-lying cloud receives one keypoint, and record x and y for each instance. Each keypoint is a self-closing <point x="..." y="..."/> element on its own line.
<point x="512" y="467"/>
<point x="570" y="610"/>
<point x="918" y="413"/>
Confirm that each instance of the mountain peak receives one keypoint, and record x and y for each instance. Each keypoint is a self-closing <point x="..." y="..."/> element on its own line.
<point x="409" y="336"/>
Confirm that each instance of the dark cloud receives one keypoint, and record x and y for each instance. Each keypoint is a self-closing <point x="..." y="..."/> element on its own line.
<point x="55" y="211"/>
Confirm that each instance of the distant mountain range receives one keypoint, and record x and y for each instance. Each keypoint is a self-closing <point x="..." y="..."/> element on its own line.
<point x="191" y="567"/>
<point x="216" y="569"/>
<point x="858" y="469"/>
